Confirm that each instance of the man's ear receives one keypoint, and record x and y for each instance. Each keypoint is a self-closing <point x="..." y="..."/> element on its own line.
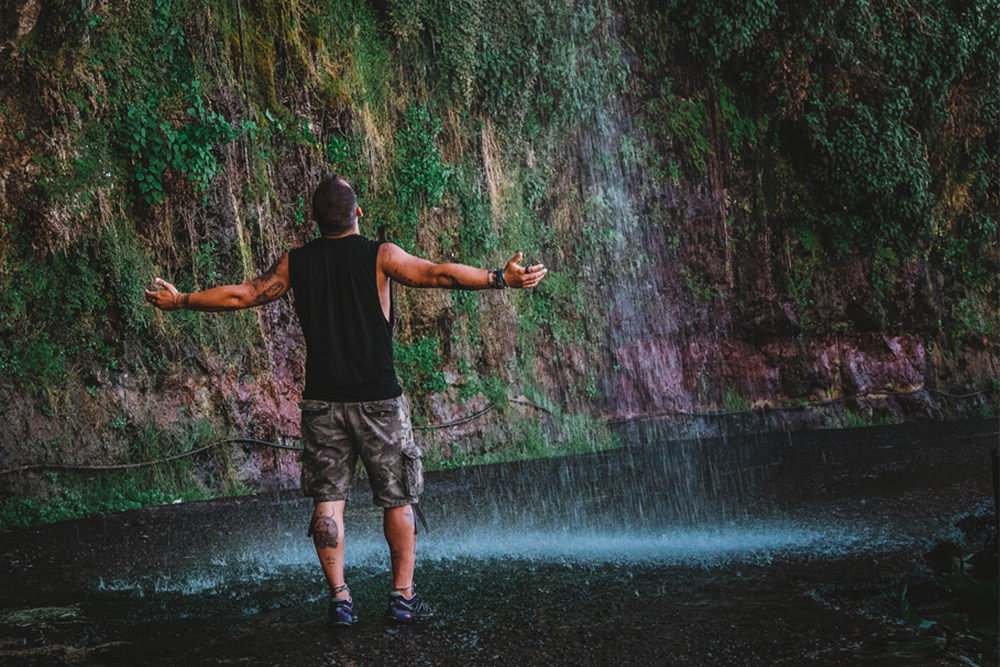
<point x="360" y="214"/>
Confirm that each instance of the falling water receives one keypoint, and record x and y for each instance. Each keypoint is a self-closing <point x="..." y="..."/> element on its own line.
<point x="659" y="499"/>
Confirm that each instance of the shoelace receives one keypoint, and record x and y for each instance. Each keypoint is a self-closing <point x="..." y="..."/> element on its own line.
<point x="418" y="605"/>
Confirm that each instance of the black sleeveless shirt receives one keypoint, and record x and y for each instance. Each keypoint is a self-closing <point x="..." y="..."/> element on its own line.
<point x="348" y="340"/>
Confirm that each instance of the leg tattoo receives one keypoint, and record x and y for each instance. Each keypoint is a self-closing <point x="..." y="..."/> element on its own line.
<point x="324" y="532"/>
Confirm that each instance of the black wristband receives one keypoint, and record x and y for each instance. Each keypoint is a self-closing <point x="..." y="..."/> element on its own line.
<point x="496" y="279"/>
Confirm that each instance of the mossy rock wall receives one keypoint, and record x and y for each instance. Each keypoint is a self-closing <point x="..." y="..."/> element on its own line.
<point x="777" y="202"/>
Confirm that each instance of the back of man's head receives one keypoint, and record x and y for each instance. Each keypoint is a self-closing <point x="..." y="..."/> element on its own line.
<point x="334" y="206"/>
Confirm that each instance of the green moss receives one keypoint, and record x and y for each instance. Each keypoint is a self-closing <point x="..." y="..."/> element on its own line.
<point x="417" y="365"/>
<point x="733" y="401"/>
<point x="521" y="439"/>
<point x="422" y="176"/>
<point x="55" y="309"/>
<point x="80" y="498"/>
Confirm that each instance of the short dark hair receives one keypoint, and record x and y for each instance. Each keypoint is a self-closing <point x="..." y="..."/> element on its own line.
<point x="334" y="206"/>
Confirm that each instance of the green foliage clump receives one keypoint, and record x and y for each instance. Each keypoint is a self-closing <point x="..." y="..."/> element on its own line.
<point x="884" y="111"/>
<point x="77" y="495"/>
<point x="476" y="236"/>
<point x="964" y="629"/>
<point x="66" y="306"/>
<point x="87" y="497"/>
<point x="184" y="146"/>
<point x="127" y="274"/>
<point x="975" y="319"/>
<point x="874" y="172"/>
<point x="522" y="439"/>
<point x="345" y="155"/>
<point x="685" y="120"/>
<point x="494" y="388"/>
<point x="77" y="185"/>
<point x="422" y="176"/>
<point x="417" y="366"/>
<point x="719" y="30"/>
<point x="523" y="64"/>
<point x="733" y="401"/>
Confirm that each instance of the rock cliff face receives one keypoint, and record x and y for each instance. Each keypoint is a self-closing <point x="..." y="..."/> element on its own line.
<point x="696" y="260"/>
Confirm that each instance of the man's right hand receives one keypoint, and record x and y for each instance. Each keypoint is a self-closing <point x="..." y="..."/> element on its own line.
<point x="265" y="288"/>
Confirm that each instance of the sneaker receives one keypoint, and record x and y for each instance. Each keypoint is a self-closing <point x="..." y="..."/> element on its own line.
<point x="405" y="609"/>
<point x="342" y="612"/>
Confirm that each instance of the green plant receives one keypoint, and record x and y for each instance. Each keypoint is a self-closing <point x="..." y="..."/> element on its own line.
<point x="973" y="319"/>
<point x="182" y="145"/>
<point x="345" y="155"/>
<point x="421" y="175"/>
<point x="80" y="498"/>
<point x="732" y="401"/>
<point x="853" y="419"/>
<point x="696" y="285"/>
<point x="989" y="411"/>
<point x="885" y="263"/>
<point x="417" y="366"/>
<point x="967" y="631"/>
<point x="521" y="439"/>
<point x="743" y="128"/>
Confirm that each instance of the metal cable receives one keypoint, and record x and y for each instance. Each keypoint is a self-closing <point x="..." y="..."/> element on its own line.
<point x="779" y="408"/>
<point x="143" y="464"/>
<point x="486" y="410"/>
<point x="274" y="445"/>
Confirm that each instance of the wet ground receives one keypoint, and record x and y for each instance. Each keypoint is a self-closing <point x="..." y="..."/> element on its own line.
<point x="779" y="549"/>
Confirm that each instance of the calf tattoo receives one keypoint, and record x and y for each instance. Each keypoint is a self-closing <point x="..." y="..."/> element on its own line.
<point x="324" y="532"/>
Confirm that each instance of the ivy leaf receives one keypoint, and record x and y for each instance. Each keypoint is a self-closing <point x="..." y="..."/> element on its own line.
<point x="909" y="614"/>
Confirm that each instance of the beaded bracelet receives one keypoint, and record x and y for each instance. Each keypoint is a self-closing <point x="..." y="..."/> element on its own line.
<point x="495" y="279"/>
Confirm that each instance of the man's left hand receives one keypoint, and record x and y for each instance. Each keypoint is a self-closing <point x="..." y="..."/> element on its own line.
<point x="167" y="298"/>
<point x="523" y="278"/>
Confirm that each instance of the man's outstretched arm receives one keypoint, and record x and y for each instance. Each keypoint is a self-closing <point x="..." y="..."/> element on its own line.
<point x="411" y="271"/>
<point x="267" y="287"/>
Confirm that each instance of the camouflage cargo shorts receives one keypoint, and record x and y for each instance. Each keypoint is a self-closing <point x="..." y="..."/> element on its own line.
<point x="335" y="435"/>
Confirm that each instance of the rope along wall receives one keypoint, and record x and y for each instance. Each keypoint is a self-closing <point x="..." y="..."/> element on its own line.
<point x="487" y="410"/>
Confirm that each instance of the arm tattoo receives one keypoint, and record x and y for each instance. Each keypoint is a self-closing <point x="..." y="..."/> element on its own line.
<point x="267" y="275"/>
<point x="268" y="294"/>
<point x="324" y="532"/>
<point x="182" y="300"/>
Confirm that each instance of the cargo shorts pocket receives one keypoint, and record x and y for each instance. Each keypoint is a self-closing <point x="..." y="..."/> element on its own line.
<point x="414" y="470"/>
<point x="312" y="426"/>
<point x="381" y="409"/>
<point x="312" y="408"/>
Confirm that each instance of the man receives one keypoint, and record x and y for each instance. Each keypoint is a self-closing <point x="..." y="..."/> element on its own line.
<point x="353" y="405"/>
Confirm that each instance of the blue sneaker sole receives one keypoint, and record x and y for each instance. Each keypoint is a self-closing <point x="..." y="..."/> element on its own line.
<point x="341" y="620"/>
<point x="389" y="616"/>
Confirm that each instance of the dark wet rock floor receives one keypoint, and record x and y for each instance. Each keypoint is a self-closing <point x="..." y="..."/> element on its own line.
<point x="781" y="549"/>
